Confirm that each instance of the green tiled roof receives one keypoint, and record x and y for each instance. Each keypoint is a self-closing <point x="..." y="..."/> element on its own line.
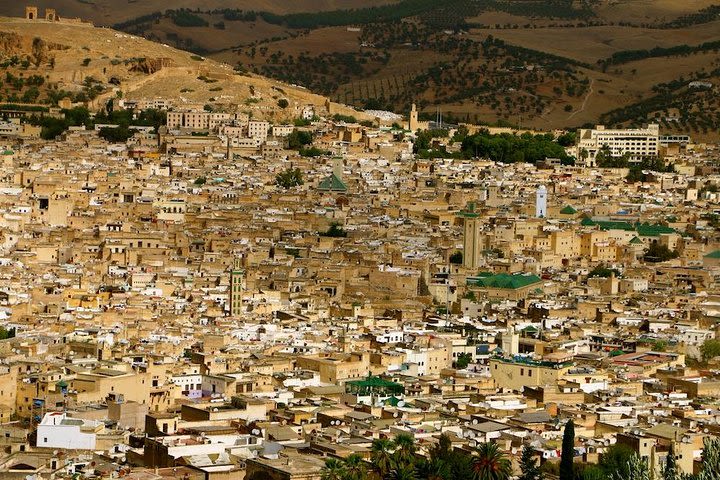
<point x="642" y="229"/>
<point x="609" y="225"/>
<point x="568" y="210"/>
<point x="647" y="230"/>
<point x="636" y="241"/>
<point x="504" y="280"/>
<point x="333" y="184"/>
<point x="715" y="254"/>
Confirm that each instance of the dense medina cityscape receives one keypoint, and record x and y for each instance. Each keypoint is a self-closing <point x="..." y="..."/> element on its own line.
<point x="196" y="291"/>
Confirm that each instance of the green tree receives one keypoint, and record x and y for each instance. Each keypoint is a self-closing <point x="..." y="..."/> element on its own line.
<point x="615" y="460"/>
<point x="6" y="333"/>
<point x="333" y="470"/>
<point x="312" y="152"/>
<point x="404" y="448"/>
<point x="659" y="253"/>
<point x="528" y="466"/>
<point x="403" y="472"/>
<point x="568" y="452"/>
<point x="298" y="139"/>
<point x="381" y="455"/>
<point x="710" y="349"/>
<point x="434" y="470"/>
<point x="456" y="258"/>
<point x="336" y="231"/>
<point x="489" y="463"/>
<point x="710" y="459"/>
<point x="602" y="271"/>
<point x="588" y="471"/>
<point x="636" y="469"/>
<point x="116" y="134"/>
<point x="463" y="360"/>
<point x="292" y="177"/>
<point x="355" y="467"/>
<point x="670" y="469"/>
<point x="282" y="103"/>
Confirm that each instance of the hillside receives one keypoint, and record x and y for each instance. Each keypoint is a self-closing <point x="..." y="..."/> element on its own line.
<point x="109" y="12"/>
<point x="45" y="62"/>
<point x="538" y="63"/>
<point x="535" y="63"/>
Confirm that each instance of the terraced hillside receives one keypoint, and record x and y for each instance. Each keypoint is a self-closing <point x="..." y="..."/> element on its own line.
<point x="538" y="63"/>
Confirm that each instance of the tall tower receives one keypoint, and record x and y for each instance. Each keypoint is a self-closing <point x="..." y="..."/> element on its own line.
<point x="473" y="239"/>
<point x="237" y="275"/>
<point x="413" y="123"/>
<point x="337" y="167"/>
<point x="541" y="202"/>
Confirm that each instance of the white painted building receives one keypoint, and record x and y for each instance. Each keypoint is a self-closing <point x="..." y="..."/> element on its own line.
<point x="639" y="143"/>
<point x="57" y="430"/>
<point x="541" y="202"/>
<point x="391" y="336"/>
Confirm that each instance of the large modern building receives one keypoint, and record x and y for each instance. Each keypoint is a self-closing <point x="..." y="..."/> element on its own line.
<point x="639" y="143"/>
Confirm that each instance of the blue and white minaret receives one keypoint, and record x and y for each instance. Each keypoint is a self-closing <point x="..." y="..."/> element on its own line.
<point x="541" y="202"/>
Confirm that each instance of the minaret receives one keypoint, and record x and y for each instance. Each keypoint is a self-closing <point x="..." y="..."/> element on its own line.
<point x="472" y="239"/>
<point x="237" y="275"/>
<point x="541" y="202"/>
<point x="413" y="123"/>
<point x="337" y="167"/>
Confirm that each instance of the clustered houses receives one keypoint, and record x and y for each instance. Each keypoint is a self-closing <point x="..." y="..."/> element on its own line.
<point x="169" y="310"/>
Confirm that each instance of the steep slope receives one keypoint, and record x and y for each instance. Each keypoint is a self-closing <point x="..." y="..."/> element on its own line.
<point x="53" y="60"/>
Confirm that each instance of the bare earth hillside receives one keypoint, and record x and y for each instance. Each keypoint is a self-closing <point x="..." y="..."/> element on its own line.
<point x="79" y="59"/>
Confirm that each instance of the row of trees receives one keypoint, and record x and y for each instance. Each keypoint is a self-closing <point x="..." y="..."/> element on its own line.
<point x="397" y="459"/>
<point x="358" y="16"/>
<point x="705" y="15"/>
<point x="626" y="56"/>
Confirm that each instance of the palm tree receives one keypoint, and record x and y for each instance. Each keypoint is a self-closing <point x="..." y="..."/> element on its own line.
<point x="355" y="468"/>
<point x="403" y="472"/>
<point x="381" y="455"/>
<point x="434" y="469"/>
<point x="333" y="470"/>
<point x="404" y="449"/>
<point x="489" y="463"/>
